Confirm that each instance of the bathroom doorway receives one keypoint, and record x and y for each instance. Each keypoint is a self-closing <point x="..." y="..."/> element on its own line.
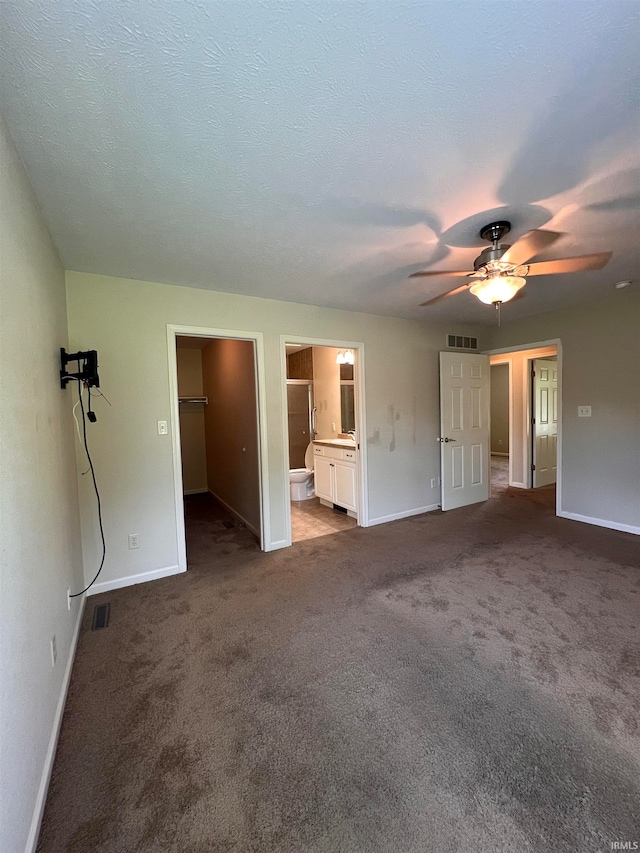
<point x="324" y="450"/>
<point x="217" y="435"/>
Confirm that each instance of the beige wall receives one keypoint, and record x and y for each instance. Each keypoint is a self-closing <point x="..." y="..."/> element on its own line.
<point x="192" y="434"/>
<point x="231" y="427"/>
<point x="40" y="548"/>
<point x="599" y="359"/>
<point x="127" y="322"/>
<point x="326" y="391"/>
<point x="500" y="408"/>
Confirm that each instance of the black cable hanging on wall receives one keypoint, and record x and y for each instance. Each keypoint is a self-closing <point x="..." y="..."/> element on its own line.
<point x="86" y="377"/>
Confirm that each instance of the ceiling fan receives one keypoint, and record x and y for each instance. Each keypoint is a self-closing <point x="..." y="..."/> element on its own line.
<point x="500" y="271"/>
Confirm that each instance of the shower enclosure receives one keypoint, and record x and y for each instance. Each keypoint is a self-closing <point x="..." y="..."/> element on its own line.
<point x="301" y="414"/>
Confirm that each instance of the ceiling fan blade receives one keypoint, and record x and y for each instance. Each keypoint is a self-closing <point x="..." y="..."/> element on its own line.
<point x="582" y="262"/>
<point x="447" y="293"/>
<point x="529" y="246"/>
<point x="440" y="272"/>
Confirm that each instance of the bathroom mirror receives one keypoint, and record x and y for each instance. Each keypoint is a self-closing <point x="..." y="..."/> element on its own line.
<point x="347" y="404"/>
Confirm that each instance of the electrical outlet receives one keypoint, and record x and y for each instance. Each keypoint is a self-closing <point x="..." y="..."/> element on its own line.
<point x="133" y="541"/>
<point x="162" y="428"/>
<point x="54" y="651"/>
<point x="433" y="482"/>
<point x="68" y="598"/>
<point x="584" y="411"/>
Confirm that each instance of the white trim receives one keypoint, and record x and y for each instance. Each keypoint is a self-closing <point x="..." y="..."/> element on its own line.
<point x="517" y="485"/>
<point x="383" y="519"/>
<point x="235" y="514"/>
<point x="361" y="430"/>
<point x="509" y="363"/>
<point x="131" y="580"/>
<point x="522" y="347"/>
<point x="601" y="522"/>
<point x="43" y="789"/>
<point x="181" y="540"/>
<point x="496" y="453"/>
<point x="264" y="481"/>
<point x="280" y="543"/>
<point x="204" y="491"/>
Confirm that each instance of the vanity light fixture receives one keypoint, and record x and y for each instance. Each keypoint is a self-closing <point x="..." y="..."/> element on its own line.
<point x="345" y="357"/>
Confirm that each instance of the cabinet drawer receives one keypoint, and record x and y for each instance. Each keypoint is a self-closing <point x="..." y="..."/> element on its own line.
<point x="333" y="452"/>
<point x="318" y="450"/>
<point x="349" y="455"/>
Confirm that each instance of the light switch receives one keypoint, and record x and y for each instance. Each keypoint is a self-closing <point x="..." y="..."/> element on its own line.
<point x="162" y="428"/>
<point x="584" y="411"/>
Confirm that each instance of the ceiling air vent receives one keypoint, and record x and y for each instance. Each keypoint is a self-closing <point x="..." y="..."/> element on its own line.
<point x="461" y="342"/>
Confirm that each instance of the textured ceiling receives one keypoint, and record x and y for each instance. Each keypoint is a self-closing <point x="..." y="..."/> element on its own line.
<point x="319" y="152"/>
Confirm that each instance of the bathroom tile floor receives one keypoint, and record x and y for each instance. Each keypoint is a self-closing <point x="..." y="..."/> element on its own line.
<point x="311" y="518"/>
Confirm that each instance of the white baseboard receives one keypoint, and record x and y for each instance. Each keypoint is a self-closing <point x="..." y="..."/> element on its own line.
<point x="196" y="491"/>
<point x="498" y="453"/>
<point x="43" y="788"/>
<point x="383" y="519"/>
<point x="600" y="522"/>
<point x="517" y="485"/>
<point x="280" y="543"/>
<point x="130" y="580"/>
<point x="236" y="514"/>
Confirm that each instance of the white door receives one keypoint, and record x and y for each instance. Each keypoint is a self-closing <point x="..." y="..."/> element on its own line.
<point x="464" y="428"/>
<point x="545" y="421"/>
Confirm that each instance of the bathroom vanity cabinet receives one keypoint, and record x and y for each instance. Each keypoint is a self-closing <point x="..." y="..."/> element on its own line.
<point x="335" y="475"/>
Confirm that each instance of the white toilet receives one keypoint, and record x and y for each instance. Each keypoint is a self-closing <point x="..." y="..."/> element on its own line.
<point x="301" y="479"/>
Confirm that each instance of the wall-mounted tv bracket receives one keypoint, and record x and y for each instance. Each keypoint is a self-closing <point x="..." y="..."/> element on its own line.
<point x="87" y="367"/>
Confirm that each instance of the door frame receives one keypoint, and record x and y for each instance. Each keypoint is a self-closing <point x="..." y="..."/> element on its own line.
<point x="257" y="338"/>
<point x="509" y="363"/>
<point x="524" y="439"/>
<point x="359" y="399"/>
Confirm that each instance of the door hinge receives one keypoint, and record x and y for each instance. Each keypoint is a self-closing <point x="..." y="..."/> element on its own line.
<point x="533" y="420"/>
<point x="533" y="467"/>
<point x="533" y="373"/>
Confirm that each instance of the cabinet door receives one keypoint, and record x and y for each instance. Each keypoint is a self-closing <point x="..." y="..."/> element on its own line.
<point x="322" y="477"/>
<point x="345" y="485"/>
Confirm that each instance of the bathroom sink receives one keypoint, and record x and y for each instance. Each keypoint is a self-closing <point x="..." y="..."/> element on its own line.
<point x="339" y="442"/>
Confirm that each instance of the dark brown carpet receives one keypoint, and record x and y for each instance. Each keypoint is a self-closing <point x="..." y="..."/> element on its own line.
<point x="467" y="681"/>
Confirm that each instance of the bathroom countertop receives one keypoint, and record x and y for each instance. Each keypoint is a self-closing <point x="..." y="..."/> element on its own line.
<point x="336" y="442"/>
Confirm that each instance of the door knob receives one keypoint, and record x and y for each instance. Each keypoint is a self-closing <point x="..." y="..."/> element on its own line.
<point x="447" y="440"/>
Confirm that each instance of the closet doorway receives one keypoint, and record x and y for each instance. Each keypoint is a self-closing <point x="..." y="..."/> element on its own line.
<point x="217" y="443"/>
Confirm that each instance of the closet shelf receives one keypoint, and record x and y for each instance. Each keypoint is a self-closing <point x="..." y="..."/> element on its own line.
<point x="203" y="400"/>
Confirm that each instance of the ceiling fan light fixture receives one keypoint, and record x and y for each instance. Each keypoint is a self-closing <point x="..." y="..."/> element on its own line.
<point x="498" y="288"/>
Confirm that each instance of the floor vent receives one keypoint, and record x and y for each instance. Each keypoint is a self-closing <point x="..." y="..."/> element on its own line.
<point x="228" y="524"/>
<point x="461" y="342"/>
<point x="100" y="616"/>
<point x="339" y="509"/>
